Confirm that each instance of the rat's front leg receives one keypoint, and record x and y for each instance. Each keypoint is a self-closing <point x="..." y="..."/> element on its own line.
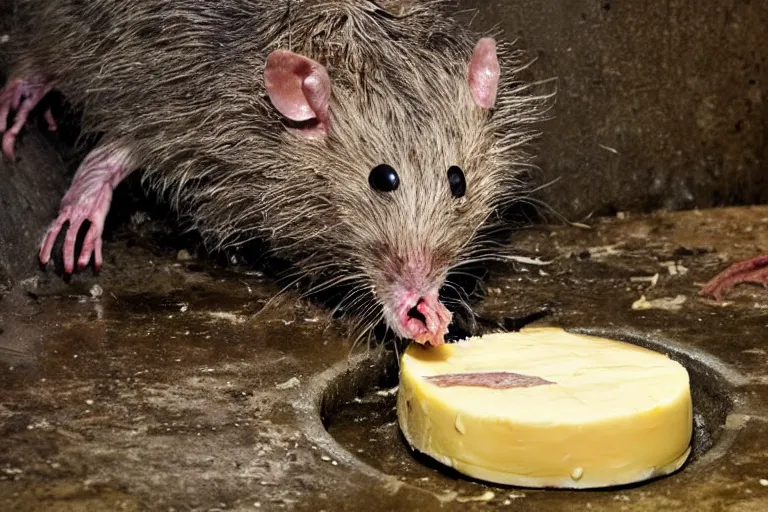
<point x="88" y="198"/>
<point x="754" y="270"/>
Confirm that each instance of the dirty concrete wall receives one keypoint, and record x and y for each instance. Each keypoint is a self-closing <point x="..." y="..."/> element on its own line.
<point x="660" y="105"/>
<point x="30" y="191"/>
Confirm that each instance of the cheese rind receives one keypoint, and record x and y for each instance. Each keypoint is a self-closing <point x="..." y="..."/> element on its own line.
<point x="590" y="412"/>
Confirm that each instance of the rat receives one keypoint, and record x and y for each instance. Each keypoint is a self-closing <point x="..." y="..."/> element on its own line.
<point x="371" y="143"/>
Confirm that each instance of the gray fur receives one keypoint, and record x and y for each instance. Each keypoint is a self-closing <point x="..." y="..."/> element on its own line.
<point x="180" y="83"/>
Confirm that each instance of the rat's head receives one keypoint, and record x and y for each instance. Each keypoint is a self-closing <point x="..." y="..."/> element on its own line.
<point x="408" y="163"/>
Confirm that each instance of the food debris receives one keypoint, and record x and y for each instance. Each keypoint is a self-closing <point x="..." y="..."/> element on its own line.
<point x="224" y="315"/>
<point x="675" y="268"/>
<point x="30" y="283"/>
<point x="600" y="252"/>
<point x="654" y="279"/>
<point x="387" y="392"/>
<point x="529" y="261"/>
<point x="183" y="256"/>
<point x="291" y="383"/>
<point x="96" y="291"/>
<point x="665" y="303"/>
<point x="326" y="458"/>
<point x="486" y="496"/>
<point x="713" y="302"/>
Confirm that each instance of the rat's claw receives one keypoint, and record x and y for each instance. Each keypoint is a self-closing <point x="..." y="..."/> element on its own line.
<point x="8" y="141"/>
<point x="89" y="246"/>
<point x="21" y="97"/>
<point x="50" y="120"/>
<point x="70" y="239"/>
<point x="97" y="260"/>
<point x="50" y="239"/>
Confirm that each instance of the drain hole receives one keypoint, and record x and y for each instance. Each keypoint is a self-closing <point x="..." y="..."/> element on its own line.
<point x="360" y="410"/>
<point x="515" y="324"/>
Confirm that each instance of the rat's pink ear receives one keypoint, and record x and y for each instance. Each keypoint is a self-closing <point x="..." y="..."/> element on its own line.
<point x="483" y="75"/>
<point x="299" y="88"/>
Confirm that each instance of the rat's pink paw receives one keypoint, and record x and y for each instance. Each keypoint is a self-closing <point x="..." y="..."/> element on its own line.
<point x="93" y="208"/>
<point x="17" y="100"/>
<point x="749" y="271"/>
<point x="89" y="199"/>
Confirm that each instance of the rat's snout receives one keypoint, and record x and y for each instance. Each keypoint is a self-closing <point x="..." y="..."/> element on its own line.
<point x="422" y="318"/>
<point x="408" y="292"/>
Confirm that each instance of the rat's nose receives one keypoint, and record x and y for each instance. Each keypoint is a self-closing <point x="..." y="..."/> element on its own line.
<point x="425" y="320"/>
<point x="415" y="314"/>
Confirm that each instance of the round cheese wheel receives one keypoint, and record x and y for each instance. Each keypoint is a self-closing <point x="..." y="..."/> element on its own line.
<point x="546" y="408"/>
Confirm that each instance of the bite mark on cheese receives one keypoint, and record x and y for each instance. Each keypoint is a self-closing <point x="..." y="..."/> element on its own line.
<point x="493" y="380"/>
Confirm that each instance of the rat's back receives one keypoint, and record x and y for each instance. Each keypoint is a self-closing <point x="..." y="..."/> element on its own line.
<point x="124" y="61"/>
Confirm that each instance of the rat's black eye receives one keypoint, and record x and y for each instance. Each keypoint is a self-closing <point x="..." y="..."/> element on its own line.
<point x="383" y="178"/>
<point x="456" y="181"/>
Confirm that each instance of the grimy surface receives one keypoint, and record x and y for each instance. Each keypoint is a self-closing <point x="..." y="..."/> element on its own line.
<point x="161" y="390"/>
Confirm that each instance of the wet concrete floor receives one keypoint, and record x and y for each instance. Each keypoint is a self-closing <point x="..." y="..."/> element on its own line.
<point x="161" y="384"/>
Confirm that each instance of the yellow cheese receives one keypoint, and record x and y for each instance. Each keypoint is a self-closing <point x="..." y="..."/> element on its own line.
<point x="562" y="409"/>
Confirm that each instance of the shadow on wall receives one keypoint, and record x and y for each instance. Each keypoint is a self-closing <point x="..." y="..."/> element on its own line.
<point x="660" y="104"/>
